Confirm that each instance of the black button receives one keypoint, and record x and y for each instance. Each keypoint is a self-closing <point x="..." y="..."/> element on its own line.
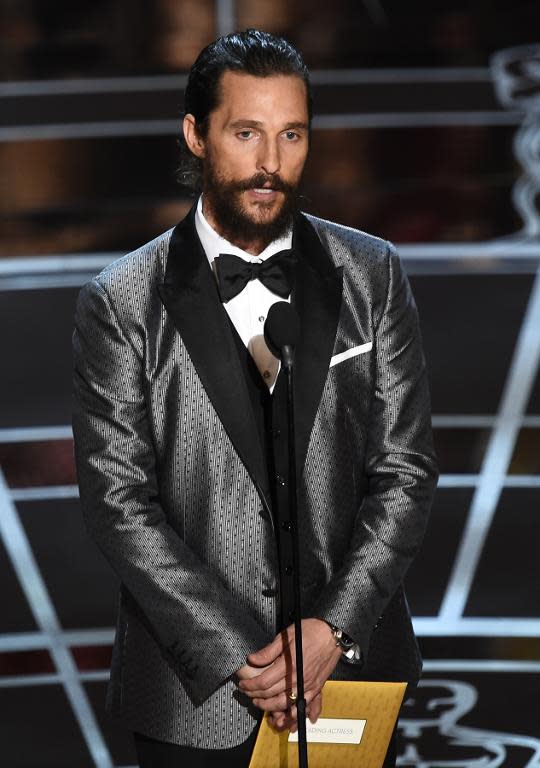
<point x="269" y="592"/>
<point x="291" y="615"/>
<point x="289" y="570"/>
<point x="286" y="525"/>
<point x="280" y="480"/>
<point x="276" y="433"/>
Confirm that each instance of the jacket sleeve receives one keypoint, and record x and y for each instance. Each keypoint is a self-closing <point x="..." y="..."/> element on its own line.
<point x="400" y="470"/>
<point x="192" y="615"/>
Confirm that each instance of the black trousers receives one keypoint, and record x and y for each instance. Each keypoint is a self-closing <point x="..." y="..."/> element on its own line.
<point x="160" y="754"/>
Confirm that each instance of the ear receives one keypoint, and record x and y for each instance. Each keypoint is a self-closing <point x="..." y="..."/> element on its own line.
<point x="194" y="140"/>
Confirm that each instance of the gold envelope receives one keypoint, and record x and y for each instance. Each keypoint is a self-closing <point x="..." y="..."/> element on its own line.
<point x="376" y="703"/>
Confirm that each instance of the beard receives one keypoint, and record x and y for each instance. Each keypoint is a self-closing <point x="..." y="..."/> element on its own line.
<point x="234" y="222"/>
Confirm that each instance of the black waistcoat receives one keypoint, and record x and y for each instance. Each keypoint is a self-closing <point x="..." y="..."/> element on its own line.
<point x="270" y="411"/>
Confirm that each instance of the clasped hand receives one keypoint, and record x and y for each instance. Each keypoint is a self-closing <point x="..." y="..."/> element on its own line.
<point x="270" y="674"/>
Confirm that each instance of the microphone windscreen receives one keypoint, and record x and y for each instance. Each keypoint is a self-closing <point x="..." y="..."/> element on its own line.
<point x="282" y="327"/>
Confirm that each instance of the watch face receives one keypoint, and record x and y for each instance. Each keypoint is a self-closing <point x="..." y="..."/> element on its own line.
<point x="354" y="656"/>
<point x="345" y="641"/>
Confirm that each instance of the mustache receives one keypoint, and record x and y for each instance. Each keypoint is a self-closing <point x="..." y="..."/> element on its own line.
<point x="257" y="181"/>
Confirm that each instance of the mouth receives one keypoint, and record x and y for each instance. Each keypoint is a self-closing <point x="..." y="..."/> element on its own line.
<point x="263" y="194"/>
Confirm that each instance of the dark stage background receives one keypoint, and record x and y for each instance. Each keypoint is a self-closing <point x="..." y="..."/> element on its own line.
<point x="427" y="133"/>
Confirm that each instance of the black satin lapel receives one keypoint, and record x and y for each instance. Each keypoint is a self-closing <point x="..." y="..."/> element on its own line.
<point x="189" y="294"/>
<point x="317" y="298"/>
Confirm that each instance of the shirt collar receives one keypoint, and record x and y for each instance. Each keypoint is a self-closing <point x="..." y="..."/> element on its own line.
<point x="213" y="244"/>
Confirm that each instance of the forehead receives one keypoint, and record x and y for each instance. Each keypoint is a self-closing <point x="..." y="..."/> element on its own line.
<point x="274" y="98"/>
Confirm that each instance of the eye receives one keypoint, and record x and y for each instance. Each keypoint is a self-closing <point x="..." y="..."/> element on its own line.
<point x="246" y="134"/>
<point x="291" y="135"/>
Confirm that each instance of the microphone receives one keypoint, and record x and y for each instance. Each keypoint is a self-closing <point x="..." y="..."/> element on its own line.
<point x="282" y="331"/>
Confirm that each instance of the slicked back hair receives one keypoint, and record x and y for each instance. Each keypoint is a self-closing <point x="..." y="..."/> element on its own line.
<point x="253" y="52"/>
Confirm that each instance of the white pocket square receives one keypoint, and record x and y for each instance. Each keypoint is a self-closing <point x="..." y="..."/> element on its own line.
<point x="353" y="352"/>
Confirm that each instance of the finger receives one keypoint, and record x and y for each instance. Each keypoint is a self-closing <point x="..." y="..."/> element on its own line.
<point x="272" y="676"/>
<point x="285" y="684"/>
<point x="247" y="671"/>
<point x="269" y="693"/>
<point x="267" y="654"/>
<point x="278" y="720"/>
<point x="311" y="695"/>
<point x="315" y="708"/>
<point x="290" y="721"/>
<point x="292" y="716"/>
<point x="281" y="702"/>
<point x="262" y="687"/>
<point x="277" y="703"/>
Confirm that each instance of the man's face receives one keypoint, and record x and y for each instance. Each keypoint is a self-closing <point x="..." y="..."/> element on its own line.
<point x="254" y="153"/>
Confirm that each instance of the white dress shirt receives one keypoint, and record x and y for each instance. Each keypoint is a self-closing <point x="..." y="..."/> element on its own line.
<point x="247" y="310"/>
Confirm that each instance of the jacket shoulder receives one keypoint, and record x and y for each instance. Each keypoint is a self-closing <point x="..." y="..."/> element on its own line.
<point x="128" y="286"/>
<point x="345" y="242"/>
<point x="138" y="266"/>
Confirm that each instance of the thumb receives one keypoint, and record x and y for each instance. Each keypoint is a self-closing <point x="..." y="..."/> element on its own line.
<point x="268" y="654"/>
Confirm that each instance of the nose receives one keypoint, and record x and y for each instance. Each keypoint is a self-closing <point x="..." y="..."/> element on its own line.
<point x="269" y="159"/>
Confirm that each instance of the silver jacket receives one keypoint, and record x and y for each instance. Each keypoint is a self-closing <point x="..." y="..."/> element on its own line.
<point x="174" y="487"/>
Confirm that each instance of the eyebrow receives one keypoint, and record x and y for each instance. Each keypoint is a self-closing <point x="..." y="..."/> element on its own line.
<point x="258" y="124"/>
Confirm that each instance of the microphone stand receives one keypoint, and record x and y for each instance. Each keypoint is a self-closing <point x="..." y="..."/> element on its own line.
<point x="287" y="358"/>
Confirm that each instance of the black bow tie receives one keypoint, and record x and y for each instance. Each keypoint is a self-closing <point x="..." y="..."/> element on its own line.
<point x="234" y="273"/>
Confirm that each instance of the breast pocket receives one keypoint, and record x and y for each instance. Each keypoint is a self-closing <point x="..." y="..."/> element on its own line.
<point x="350" y="384"/>
<point x="362" y="349"/>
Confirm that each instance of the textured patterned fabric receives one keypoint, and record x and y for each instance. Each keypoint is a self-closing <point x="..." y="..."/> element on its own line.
<point x="172" y="488"/>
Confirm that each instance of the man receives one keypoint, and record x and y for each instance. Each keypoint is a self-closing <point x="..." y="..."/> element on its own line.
<point x="181" y="442"/>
